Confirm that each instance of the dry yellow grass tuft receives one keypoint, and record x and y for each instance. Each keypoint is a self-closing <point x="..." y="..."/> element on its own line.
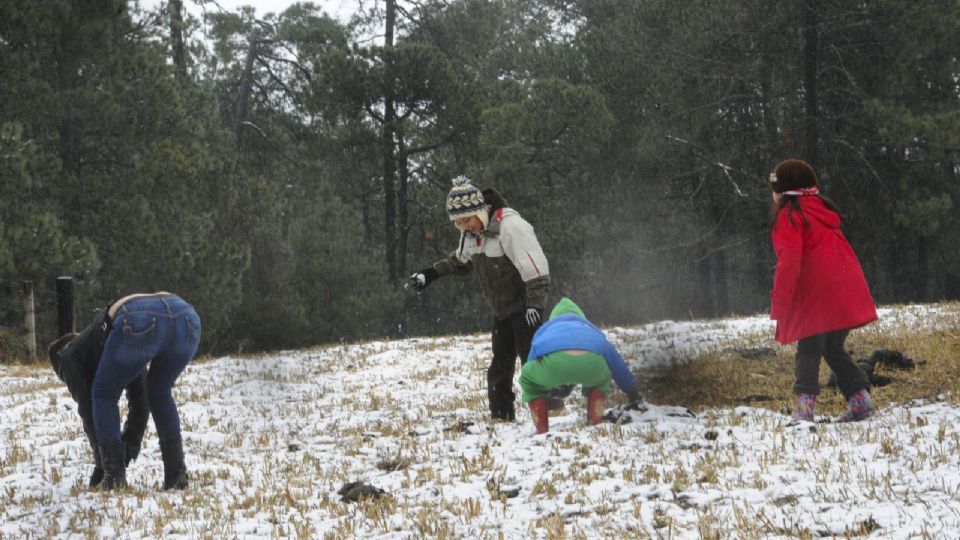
<point x="727" y="379"/>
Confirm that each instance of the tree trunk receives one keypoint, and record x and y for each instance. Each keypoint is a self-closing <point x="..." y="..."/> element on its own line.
<point x="403" y="180"/>
<point x="923" y="271"/>
<point x="246" y="84"/>
<point x="68" y="65"/>
<point x="367" y="226"/>
<point x="812" y="120"/>
<point x="762" y="274"/>
<point x="389" y="162"/>
<point x="705" y="281"/>
<point x="721" y="291"/>
<point x="766" y="93"/>
<point x="895" y="277"/>
<point x="176" y="36"/>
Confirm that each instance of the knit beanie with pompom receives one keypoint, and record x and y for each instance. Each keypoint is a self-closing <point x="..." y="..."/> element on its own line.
<point x="465" y="200"/>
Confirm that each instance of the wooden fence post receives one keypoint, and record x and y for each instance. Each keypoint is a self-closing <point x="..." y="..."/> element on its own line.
<point x="29" y="320"/>
<point x="65" y="323"/>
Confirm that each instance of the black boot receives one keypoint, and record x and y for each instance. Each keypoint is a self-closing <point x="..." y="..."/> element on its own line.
<point x="174" y="469"/>
<point x="114" y="465"/>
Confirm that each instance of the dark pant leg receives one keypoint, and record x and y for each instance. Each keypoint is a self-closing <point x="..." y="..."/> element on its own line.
<point x="132" y="343"/>
<point x="164" y="371"/>
<point x="522" y="335"/>
<point x="500" y="372"/>
<point x="807" y="365"/>
<point x="850" y="378"/>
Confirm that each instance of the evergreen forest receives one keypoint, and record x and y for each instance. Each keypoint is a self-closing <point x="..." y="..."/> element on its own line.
<point x="285" y="172"/>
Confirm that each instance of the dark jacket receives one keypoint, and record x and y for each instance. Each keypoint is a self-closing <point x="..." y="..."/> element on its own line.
<point x="77" y="364"/>
<point x="508" y="259"/>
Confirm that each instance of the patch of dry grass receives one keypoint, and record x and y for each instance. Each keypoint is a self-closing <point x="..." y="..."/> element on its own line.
<point x="726" y="379"/>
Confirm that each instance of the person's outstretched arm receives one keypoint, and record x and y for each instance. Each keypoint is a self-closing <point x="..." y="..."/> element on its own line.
<point x="458" y="263"/>
<point x="621" y="373"/>
<point x="452" y="265"/>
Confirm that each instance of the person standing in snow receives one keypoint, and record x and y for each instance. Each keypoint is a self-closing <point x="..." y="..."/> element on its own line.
<point x="819" y="291"/>
<point x="497" y="243"/>
<point x="111" y="354"/>
<point x="566" y="350"/>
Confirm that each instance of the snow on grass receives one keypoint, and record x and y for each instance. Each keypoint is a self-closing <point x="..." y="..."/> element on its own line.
<point x="270" y="441"/>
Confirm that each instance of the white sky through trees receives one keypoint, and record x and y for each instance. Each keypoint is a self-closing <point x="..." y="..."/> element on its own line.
<point x="338" y="9"/>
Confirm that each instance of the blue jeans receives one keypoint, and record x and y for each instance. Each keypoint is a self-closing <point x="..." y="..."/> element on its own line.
<point x="162" y="331"/>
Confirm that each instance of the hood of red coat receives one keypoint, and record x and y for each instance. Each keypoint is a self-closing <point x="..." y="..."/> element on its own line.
<point x="816" y="210"/>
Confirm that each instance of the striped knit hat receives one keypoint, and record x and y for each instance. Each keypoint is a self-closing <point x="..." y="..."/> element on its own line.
<point x="465" y="200"/>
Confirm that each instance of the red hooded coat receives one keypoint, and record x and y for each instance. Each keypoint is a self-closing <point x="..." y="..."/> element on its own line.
<point x="818" y="286"/>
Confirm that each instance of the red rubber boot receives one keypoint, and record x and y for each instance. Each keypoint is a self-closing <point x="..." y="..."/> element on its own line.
<point x="595" y="401"/>
<point x="540" y="410"/>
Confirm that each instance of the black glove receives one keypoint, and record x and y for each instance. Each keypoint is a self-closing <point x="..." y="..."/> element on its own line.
<point x="131" y="447"/>
<point x="422" y="278"/>
<point x="533" y="317"/>
<point x="96" y="477"/>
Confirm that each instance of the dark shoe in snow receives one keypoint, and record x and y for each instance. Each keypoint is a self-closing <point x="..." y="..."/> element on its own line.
<point x="114" y="466"/>
<point x="459" y="427"/>
<point x="174" y="468"/>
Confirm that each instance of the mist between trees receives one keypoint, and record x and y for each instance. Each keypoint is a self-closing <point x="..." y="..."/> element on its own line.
<point x="284" y="173"/>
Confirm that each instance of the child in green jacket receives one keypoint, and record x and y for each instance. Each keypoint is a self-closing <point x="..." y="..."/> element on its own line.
<point x="568" y="349"/>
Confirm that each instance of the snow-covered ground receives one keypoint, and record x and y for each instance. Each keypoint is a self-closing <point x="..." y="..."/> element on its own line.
<point x="271" y="440"/>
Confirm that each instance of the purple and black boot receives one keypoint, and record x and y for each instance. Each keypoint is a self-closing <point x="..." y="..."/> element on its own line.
<point x="805" y="406"/>
<point x="861" y="407"/>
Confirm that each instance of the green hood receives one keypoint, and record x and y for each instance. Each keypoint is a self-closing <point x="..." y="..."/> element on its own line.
<point x="566" y="306"/>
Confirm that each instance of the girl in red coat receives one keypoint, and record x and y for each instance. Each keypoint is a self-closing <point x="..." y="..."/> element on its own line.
<point x="819" y="292"/>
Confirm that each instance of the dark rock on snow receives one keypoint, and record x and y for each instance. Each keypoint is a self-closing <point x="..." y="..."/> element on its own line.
<point x="355" y="491"/>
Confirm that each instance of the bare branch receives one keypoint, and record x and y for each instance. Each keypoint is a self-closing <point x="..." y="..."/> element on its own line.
<point x="428" y="147"/>
<point x="702" y="154"/>
<point x="249" y="124"/>
<point x="290" y="93"/>
<point x="294" y="63"/>
<point x="866" y="162"/>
